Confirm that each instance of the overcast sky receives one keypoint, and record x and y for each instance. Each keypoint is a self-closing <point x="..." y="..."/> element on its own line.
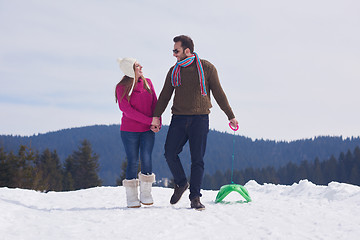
<point x="290" y="69"/>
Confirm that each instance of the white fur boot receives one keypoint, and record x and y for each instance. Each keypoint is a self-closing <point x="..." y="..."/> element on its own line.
<point x="146" y="182"/>
<point x="131" y="187"/>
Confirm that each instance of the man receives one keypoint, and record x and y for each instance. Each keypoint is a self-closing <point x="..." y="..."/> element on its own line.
<point x="192" y="79"/>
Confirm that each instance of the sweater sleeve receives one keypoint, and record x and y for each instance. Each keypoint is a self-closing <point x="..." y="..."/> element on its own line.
<point x="154" y="101"/>
<point x="164" y="96"/>
<point x="129" y="111"/>
<point x="219" y="94"/>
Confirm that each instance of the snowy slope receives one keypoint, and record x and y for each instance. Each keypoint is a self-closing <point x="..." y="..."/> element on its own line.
<point x="300" y="211"/>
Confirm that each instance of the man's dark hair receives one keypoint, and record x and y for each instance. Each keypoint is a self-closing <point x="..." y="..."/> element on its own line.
<point x="186" y="42"/>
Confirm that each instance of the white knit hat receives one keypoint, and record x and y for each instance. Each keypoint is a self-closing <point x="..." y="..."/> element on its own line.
<point x="127" y="66"/>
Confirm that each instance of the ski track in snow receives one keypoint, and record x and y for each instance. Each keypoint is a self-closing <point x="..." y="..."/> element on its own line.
<point x="299" y="211"/>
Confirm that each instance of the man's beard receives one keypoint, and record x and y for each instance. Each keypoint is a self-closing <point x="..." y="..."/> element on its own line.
<point x="183" y="57"/>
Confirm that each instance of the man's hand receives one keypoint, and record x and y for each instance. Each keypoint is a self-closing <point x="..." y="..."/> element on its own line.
<point x="155" y="121"/>
<point x="234" y="123"/>
<point x="155" y="124"/>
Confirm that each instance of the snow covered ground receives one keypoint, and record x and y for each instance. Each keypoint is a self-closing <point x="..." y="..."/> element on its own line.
<point x="300" y="211"/>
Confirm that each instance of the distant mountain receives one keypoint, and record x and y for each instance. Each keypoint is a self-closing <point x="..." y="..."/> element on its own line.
<point x="106" y="142"/>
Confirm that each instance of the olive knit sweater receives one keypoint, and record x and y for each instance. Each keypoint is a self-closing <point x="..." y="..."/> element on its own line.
<point x="188" y="99"/>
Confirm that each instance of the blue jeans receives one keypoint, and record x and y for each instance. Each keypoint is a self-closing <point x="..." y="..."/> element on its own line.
<point x="133" y="143"/>
<point x="183" y="128"/>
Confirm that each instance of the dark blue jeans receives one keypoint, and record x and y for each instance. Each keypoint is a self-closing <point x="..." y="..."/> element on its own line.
<point x="133" y="143"/>
<point x="183" y="128"/>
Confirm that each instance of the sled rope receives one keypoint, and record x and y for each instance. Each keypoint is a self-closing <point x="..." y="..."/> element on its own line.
<point x="226" y="189"/>
<point x="232" y="157"/>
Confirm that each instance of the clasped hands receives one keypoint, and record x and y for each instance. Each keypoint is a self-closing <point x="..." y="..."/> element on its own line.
<point x="155" y="124"/>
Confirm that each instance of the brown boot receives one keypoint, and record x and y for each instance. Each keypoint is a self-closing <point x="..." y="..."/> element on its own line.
<point x="196" y="204"/>
<point x="178" y="192"/>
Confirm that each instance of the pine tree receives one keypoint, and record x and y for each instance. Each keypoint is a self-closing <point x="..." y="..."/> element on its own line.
<point x="341" y="172"/>
<point x="270" y="175"/>
<point x="206" y="183"/>
<point x="288" y="177"/>
<point x="49" y="172"/>
<point x="348" y="161"/>
<point x="302" y="172"/>
<point x="316" y="175"/>
<point x="249" y="174"/>
<point x="26" y="171"/>
<point x="83" y="167"/>
<point x="57" y="172"/>
<point x="330" y="170"/>
<point x="4" y="169"/>
<point x="354" y="176"/>
<point x="13" y="170"/>
<point x="69" y="170"/>
<point x="355" y="171"/>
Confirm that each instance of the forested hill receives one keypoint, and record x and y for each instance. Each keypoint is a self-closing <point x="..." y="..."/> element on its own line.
<point x="106" y="142"/>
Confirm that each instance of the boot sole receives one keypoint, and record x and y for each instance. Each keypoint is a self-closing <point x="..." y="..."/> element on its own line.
<point x="147" y="204"/>
<point x="199" y="209"/>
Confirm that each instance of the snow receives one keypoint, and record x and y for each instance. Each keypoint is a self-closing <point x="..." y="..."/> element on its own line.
<point x="300" y="211"/>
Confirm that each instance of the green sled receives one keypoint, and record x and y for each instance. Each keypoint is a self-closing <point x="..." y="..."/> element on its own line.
<point x="226" y="189"/>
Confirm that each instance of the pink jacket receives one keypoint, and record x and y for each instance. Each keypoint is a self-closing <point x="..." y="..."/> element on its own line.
<point x="137" y="114"/>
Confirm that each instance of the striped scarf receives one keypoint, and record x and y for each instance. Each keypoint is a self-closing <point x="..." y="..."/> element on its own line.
<point x="175" y="75"/>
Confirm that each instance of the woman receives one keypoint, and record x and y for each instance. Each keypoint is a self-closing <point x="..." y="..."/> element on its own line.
<point x="136" y="97"/>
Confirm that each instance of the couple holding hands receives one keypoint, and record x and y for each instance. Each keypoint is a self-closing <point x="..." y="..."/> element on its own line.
<point x="192" y="79"/>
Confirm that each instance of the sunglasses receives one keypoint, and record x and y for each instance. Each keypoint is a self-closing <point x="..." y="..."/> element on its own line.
<point x="175" y="51"/>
